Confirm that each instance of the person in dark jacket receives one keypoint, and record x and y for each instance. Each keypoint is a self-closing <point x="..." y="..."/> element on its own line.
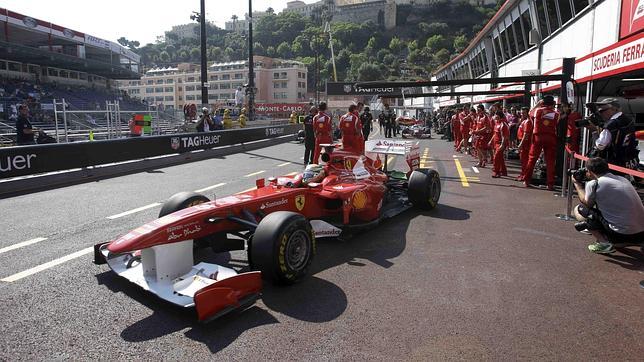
<point x="24" y="130"/>
<point x="367" y="123"/>
<point x="309" y="136"/>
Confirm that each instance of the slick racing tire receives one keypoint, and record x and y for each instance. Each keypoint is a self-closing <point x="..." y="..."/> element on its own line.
<point x="181" y="201"/>
<point x="283" y="247"/>
<point x="424" y="188"/>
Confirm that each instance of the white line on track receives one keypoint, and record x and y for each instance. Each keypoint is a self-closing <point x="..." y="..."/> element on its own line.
<point x="133" y="211"/>
<point x="20" y="245"/>
<point x="283" y="164"/>
<point x="255" y="173"/>
<point x="475" y="169"/>
<point x="45" y="266"/>
<point x="292" y="173"/>
<point x="211" y="187"/>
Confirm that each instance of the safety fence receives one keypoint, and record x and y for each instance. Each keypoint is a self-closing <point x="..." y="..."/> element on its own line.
<point x="570" y="160"/>
<point x="29" y="160"/>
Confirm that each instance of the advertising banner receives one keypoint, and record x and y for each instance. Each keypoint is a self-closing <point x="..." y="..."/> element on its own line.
<point x="281" y="108"/>
<point x="28" y="160"/>
<point x="632" y="17"/>
<point x="346" y="89"/>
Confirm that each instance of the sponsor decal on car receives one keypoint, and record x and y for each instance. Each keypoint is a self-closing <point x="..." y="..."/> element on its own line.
<point x="271" y="204"/>
<point x="179" y="231"/>
<point x="359" y="200"/>
<point x="300" y="200"/>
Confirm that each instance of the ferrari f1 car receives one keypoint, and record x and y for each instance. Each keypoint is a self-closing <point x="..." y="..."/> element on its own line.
<point x="276" y="224"/>
<point x="416" y="131"/>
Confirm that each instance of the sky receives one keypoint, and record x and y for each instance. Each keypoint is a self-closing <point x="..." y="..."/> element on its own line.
<point x="141" y="20"/>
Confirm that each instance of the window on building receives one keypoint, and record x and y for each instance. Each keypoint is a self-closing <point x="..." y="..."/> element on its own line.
<point x="224" y="86"/>
<point x="239" y="76"/>
<point x="190" y="79"/>
<point x="169" y="81"/>
<point x="159" y="99"/>
<point x="224" y="96"/>
<point x="580" y="5"/>
<point x="169" y="89"/>
<point x="180" y="98"/>
<point x="180" y="89"/>
<point x="283" y="75"/>
<point x="158" y="89"/>
<point x="553" y="18"/>
<point x="190" y="88"/>
<point x="225" y="77"/>
<point x="498" y="50"/>
<point x="276" y="85"/>
<point x="190" y="97"/>
<point x="159" y="81"/>
<point x="284" y="85"/>
<point x="214" y="86"/>
<point x="3" y="66"/>
<point x="486" y="64"/>
<point x="149" y="90"/>
<point x="276" y="76"/>
<point x="541" y="16"/>
<point x="179" y="80"/>
<point x="213" y="96"/>
<point x="169" y="98"/>
<point x="565" y="11"/>
<point x="518" y="34"/>
<point x="214" y="77"/>
<point x="15" y="67"/>
<point x="512" y="50"/>
<point x="526" y="26"/>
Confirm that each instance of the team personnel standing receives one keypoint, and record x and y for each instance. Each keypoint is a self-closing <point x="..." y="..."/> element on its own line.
<point x="456" y="128"/>
<point x="323" y="130"/>
<point x="466" y="122"/>
<point x="309" y="136"/>
<point x="351" y="128"/>
<point x="572" y="132"/>
<point x="389" y="119"/>
<point x="482" y="132"/>
<point x="524" y="135"/>
<point x="544" y="138"/>
<point x="500" y="140"/>
<point x="367" y="123"/>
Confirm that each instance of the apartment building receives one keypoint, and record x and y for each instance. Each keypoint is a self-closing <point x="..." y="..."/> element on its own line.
<point x="277" y="81"/>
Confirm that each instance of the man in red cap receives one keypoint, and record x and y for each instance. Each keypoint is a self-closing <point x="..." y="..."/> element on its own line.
<point x="323" y="130"/>
<point x="544" y="138"/>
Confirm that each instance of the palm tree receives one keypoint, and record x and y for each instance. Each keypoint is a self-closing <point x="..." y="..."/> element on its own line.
<point x="270" y="11"/>
<point x="234" y="17"/>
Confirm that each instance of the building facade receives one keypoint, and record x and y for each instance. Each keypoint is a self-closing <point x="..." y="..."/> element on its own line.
<point x="277" y="80"/>
<point x="241" y="25"/>
<point x="185" y="31"/>
<point x="605" y="38"/>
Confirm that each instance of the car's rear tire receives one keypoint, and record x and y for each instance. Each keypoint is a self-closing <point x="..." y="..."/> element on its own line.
<point x="282" y="247"/>
<point x="424" y="188"/>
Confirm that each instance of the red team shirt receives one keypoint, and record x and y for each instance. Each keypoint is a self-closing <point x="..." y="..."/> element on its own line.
<point x="322" y="128"/>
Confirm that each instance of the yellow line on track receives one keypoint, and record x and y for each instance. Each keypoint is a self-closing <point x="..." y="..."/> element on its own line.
<point x="461" y="174"/>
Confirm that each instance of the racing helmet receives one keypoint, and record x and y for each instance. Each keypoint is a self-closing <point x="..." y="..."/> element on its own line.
<point x="313" y="173"/>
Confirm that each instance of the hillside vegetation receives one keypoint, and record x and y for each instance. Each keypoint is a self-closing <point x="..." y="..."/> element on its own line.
<point x="424" y="40"/>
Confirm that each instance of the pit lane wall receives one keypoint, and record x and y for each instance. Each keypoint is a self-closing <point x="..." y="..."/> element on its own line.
<point x="36" y="159"/>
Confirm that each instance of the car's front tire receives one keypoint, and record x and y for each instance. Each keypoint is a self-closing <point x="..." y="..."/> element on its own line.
<point x="283" y="247"/>
<point x="424" y="188"/>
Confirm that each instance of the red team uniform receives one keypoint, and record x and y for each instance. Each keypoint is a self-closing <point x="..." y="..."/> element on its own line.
<point x="466" y="123"/>
<point x="573" y="133"/>
<point x="525" y="129"/>
<point x="484" y="131"/>
<point x="323" y="130"/>
<point x="351" y="128"/>
<point x="456" y="129"/>
<point x="501" y="134"/>
<point x="544" y="138"/>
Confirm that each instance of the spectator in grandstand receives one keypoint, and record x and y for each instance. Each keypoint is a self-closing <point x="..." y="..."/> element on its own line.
<point x="616" y="142"/>
<point x="24" y="130"/>
<point x="610" y="208"/>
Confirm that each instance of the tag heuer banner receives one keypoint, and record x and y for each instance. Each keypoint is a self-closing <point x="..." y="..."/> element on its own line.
<point x="350" y="89"/>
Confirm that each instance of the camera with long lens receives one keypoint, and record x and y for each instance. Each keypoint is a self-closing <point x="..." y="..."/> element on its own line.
<point x="579" y="174"/>
<point x="594" y="119"/>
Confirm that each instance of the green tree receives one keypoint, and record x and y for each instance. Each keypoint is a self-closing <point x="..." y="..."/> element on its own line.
<point x="284" y="50"/>
<point x="369" y="72"/>
<point x="395" y="45"/>
<point x="442" y="56"/>
<point x="435" y="42"/>
<point x="412" y="45"/>
<point x="460" y="43"/>
<point x="164" y="57"/>
<point x="270" y="51"/>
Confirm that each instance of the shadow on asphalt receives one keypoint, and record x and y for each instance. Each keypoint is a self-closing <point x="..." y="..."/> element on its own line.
<point x="631" y="260"/>
<point x="313" y="300"/>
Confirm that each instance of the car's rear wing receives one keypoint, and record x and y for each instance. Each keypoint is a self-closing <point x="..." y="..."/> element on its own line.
<point x="409" y="149"/>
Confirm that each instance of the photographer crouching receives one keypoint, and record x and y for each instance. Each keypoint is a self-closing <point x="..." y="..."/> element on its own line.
<point x="610" y="208"/>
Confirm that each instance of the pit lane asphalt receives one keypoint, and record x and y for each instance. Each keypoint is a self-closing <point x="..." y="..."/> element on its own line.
<point x="490" y="274"/>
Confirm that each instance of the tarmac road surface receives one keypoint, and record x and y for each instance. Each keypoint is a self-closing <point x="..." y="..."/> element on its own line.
<point x="489" y="275"/>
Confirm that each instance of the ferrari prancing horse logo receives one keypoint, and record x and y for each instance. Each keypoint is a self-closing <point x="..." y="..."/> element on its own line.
<point x="299" y="202"/>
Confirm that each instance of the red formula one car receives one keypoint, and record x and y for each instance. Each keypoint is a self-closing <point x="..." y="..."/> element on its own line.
<point x="277" y="224"/>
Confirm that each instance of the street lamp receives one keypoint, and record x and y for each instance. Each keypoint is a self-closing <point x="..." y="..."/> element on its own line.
<point x="250" y="89"/>
<point x="201" y="19"/>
